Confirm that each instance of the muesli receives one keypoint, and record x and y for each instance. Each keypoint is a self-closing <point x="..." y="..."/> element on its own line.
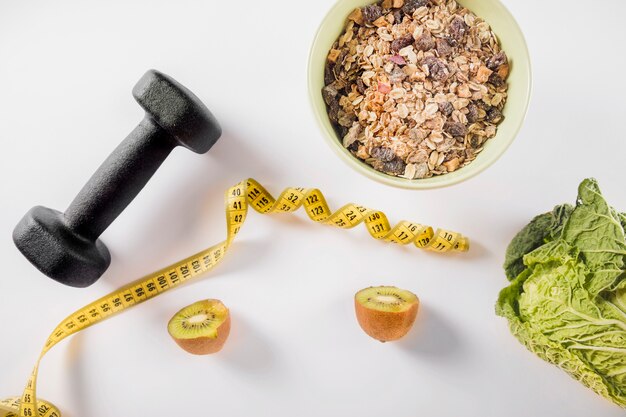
<point x="415" y="87"/>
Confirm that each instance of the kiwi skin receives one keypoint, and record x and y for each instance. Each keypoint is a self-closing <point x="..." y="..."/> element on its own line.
<point x="206" y="345"/>
<point x="386" y="326"/>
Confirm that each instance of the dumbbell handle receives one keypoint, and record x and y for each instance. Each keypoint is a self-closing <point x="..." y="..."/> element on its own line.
<point x="119" y="179"/>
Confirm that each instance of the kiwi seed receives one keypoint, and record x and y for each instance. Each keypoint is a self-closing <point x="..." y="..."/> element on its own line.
<point x="201" y="328"/>
<point x="386" y="313"/>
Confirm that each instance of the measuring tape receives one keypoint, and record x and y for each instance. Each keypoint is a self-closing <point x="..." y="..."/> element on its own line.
<point x="238" y="199"/>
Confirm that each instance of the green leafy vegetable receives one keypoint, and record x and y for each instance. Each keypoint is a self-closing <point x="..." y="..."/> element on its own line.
<point x="543" y="227"/>
<point x="567" y="298"/>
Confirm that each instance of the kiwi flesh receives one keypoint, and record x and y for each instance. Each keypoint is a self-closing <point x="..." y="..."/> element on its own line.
<point x="386" y="313"/>
<point x="201" y="328"/>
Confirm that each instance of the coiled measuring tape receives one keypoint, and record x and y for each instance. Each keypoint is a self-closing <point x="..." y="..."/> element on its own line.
<point x="238" y="198"/>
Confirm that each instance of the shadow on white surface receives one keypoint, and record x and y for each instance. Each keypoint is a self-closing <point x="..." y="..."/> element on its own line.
<point x="235" y="154"/>
<point x="476" y="251"/>
<point x="77" y="380"/>
<point x="432" y="336"/>
<point x="234" y="261"/>
<point x="247" y="350"/>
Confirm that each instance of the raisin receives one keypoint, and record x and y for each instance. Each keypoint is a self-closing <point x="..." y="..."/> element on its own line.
<point x="446" y="108"/>
<point x="396" y="166"/>
<point x="425" y="42"/>
<point x="354" y="146"/>
<point x="455" y="129"/>
<point x="401" y="42"/>
<point x="472" y="113"/>
<point x="457" y="28"/>
<point x="443" y="47"/>
<point x="397" y="16"/>
<point x="383" y="153"/>
<point x="397" y="75"/>
<point x="496" y="80"/>
<point x="495" y="61"/>
<point x="437" y="68"/>
<point x="371" y="13"/>
<point x="360" y="86"/>
<point x="412" y="5"/>
<point x="494" y="115"/>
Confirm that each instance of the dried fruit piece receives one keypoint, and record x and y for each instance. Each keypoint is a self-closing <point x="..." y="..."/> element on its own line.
<point x="495" y="61"/>
<point x="437" y="68"/>
<point x="496" y="80"/>
<point x="386" y="313"/>
<point x="443" y="47"/>
<point x="360" y="86"/>
<point x="425" y="42"/>
<point x="483" y="73"/>
<point x="472" y="113"/>
<point x="397" y="75"/>
<point x="494" y="115"/>
<point x="383" y="153"/>
<point x="380" y="22"/>
<point x="356" y="16"/>
<point x="397" y="16"/>
<point x="371" y="13"/>
<point x="446" y="108"/>
<point x="333" y="55"/>
<point x="452" y="165"/>
<point x="384" y="88"/>
<point x="457" y="28"/>
<point x="412" y="5"/>
<point x="401" y="42"/>
<point x="397" y="59"/>
<point x="503" y="71"/>
<point x="396" y="166"/>
<point x="455" y="129"/>
<point x="201" y="328"/>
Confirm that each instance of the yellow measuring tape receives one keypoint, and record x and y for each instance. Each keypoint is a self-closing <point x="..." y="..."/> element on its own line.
<point x="238" y="199"/>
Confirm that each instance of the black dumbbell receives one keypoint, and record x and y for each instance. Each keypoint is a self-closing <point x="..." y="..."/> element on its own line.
<point x="66" y="246"/>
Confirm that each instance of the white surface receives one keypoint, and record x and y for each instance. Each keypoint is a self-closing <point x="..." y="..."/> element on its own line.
<point x="295" y="348"/>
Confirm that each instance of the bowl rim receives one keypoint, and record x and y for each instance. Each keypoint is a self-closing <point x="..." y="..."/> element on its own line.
<point x="335" y="144"/>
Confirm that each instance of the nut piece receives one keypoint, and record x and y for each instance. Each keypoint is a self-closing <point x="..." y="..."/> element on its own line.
<point x="357" y="16"/>
<point x="482" y="76"/>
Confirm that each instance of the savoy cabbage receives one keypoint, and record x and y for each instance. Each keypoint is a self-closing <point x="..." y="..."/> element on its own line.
<point x="567" y="298"/>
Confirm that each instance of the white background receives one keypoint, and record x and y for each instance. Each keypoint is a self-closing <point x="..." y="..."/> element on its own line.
<point x="66" y="71"/>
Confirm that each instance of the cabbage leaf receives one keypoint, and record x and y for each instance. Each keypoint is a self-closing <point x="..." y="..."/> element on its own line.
<point x="567" y="301"/>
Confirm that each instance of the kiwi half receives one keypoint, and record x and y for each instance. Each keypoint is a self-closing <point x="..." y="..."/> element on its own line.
<point x="386" y="313"/>
<point x="201" y="328"/>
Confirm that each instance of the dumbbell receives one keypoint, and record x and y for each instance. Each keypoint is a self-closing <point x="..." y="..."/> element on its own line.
<point x="66" y="246"/>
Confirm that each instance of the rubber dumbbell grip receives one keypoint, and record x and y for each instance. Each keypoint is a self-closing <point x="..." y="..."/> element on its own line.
<point x="119" y="179"/>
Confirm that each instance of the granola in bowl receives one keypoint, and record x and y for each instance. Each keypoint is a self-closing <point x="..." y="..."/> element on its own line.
<point x="415" y="87"/>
